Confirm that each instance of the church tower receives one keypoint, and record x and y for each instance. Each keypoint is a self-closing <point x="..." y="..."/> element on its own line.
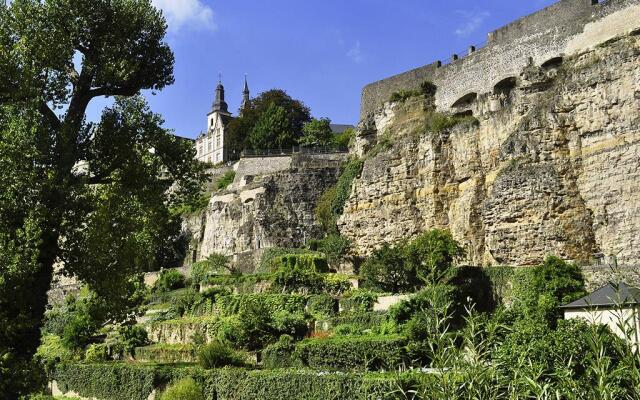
<point x="246" y="101"/>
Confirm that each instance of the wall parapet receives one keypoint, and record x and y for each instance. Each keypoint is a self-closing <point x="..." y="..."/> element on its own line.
<point x="535" y="38"/>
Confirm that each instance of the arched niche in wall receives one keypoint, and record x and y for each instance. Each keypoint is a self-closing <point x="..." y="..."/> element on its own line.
<point x="465" y="101"/>
<point x="552" y="63"/>
<point x="505" y="86"/>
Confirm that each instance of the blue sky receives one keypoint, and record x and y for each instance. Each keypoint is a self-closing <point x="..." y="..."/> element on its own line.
<point x="320" y="51"/>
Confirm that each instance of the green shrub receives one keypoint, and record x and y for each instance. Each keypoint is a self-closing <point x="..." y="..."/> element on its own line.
<point x="352" y="353"/>
<point x="79" y="331"/>
<point x="344" y="139"/>
<point x="435" y="297"/>
<point x="386" y="270"/>
<point x="280" y="354"/>
<point x="403" y="95"/>
<point x="322" y="306"/>
<point x="133" y="336"/>
<point x="432" y="254"/>
<point x="225" y="180"/>
<point x="271" y="256"/>
<point x="360" y="300"/>
<point x="184" y="389"/>
<point x="233" y="304"/>
<point x="294" y="324"/>
<point x="53" y="350"/>
<point x="324" y="210"/>
<point x="300" y="273"/>
<point x="116" y="381"/>
<point x="373" y="321"/>
<point x="166" y="353"/>
<point x="350" y="171"/>
<point x="169" y="280"/>
<point x="336" y="284"/>
<point x="96" y="353"/>
<point x="218" y="354"/>
<point x="334" y="247"/>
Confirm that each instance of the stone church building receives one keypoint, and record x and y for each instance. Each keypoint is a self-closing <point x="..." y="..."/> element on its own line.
<point x="213" y="145"/>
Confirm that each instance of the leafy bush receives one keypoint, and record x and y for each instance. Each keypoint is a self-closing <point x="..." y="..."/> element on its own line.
<point x="184" y="389"/>
<point x="133" y="336"/>
<point x="334" y="247"/>
<point x="352" y="353"/>
<point x="53" y="350"/>
<point x="322" y="306"/>
<point x="372" y="321"/>
<point x="225" y="180"/>
<point x="386" y="270"/>
<point x="270" y="258"/>
<point x="280" y="354"/>
<point x="350" y="171"/>
<point x="96" y="353"/>
<point x="300" y="273"/>
<point x="79" y="331"/>
<point x="134" y="382"/>
<point x="360" y="300"/>
<point x="294" y="324"/>
<point x="540" y="290"/>
<point x="433" y="297"/>
<point x="217" y="354"/>
<point x="324" y="210"/>
<point x="432" y="254"/>
<point x="166" y="353"/>
<point x="344" y="139"/>
<point x="169" y="280"/>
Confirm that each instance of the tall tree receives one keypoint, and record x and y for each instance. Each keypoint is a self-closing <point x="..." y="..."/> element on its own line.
<point x="296" y="114"/>
<point x="93" y="198"/>
<point x="317" y="132"/>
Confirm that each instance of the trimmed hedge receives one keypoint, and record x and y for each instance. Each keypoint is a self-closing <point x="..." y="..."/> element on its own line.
<point x="166" y="353"/>
<point x="362" y="320"/>
<point x="118" y="381"/>
<point x="316" y="305"/>
<point x="356" y="353"/>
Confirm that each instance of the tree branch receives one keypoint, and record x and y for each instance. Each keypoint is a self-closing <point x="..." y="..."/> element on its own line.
<point x="128" y="90"/>
<point x="50" y="115"/>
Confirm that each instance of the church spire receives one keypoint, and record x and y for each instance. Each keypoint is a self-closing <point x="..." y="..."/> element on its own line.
<point x="220" y="105"/>
<point x="246" y="101"/>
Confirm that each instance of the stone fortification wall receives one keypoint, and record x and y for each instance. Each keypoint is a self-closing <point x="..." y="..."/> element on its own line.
<point x="550" y="168"/>
<point x="271" y="203"/>
<point x="560" y="29"/>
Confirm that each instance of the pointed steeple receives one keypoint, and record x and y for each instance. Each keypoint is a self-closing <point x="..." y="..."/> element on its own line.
<point x="246" y="101"/>
<point x="220" y="105"/>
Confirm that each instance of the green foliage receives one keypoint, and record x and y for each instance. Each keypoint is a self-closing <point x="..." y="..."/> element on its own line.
<point x="132" y="336"/>
<point x="333" y="246"/>
<point x="300" y="273"/>
<point x="324" y="210"/>
<point x="166" y="353"/>
<point x="97" y="185"/>
<point x="271" y="257"/>
<point x="386" y="270"/>
<point x="432" y="254"/>
<point x="426" y="88"/>
<point x="344" y="139"/>
<point x="403" y="95"/>
<point x="273" y="130"/>
<point x="96" y="353"/>
<point x="352" y="353"/>
<point x="350" y="171"/>
<point x="540" y="290"/>
<point x="217" y="354"/>
<point x="273" y="109"/>
<point x="331" y="203"/>
<point x="432" y="297"/>
<point x="134" y="382"/>
<point x="437" y="122"/>
<point x="79" y="331"/>
<point x="280" y="354"/>
<point x="169" y="279"/>
<point x="316" y="132"/>
<point x="225" y="180"/>
<point x="359" y="300"/>
<point x="53" y="350"/>
<point x="321" y="305"/>
<point x="364" y="322"/>
<point x="184" y="389"/>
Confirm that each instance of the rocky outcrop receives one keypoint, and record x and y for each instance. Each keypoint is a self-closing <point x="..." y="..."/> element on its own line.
<point x="549" y="165"/>
<point x="271" y="203"/>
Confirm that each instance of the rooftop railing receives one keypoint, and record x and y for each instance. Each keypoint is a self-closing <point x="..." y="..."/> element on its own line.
<point x="293" y="150"/>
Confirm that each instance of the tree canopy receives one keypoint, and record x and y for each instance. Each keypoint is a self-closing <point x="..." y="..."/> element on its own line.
<point x="96" y="199"/>
<point x="274" y="120"/>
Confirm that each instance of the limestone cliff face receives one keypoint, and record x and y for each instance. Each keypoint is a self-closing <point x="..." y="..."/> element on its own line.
<point x="271" y="203"/>
<point x="551" y="166"/>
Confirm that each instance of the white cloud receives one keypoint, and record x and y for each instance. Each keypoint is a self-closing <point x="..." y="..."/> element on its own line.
<point x="186" y="13"/>
<point x="355" y="53"/>
<point x="471" y="22"/>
